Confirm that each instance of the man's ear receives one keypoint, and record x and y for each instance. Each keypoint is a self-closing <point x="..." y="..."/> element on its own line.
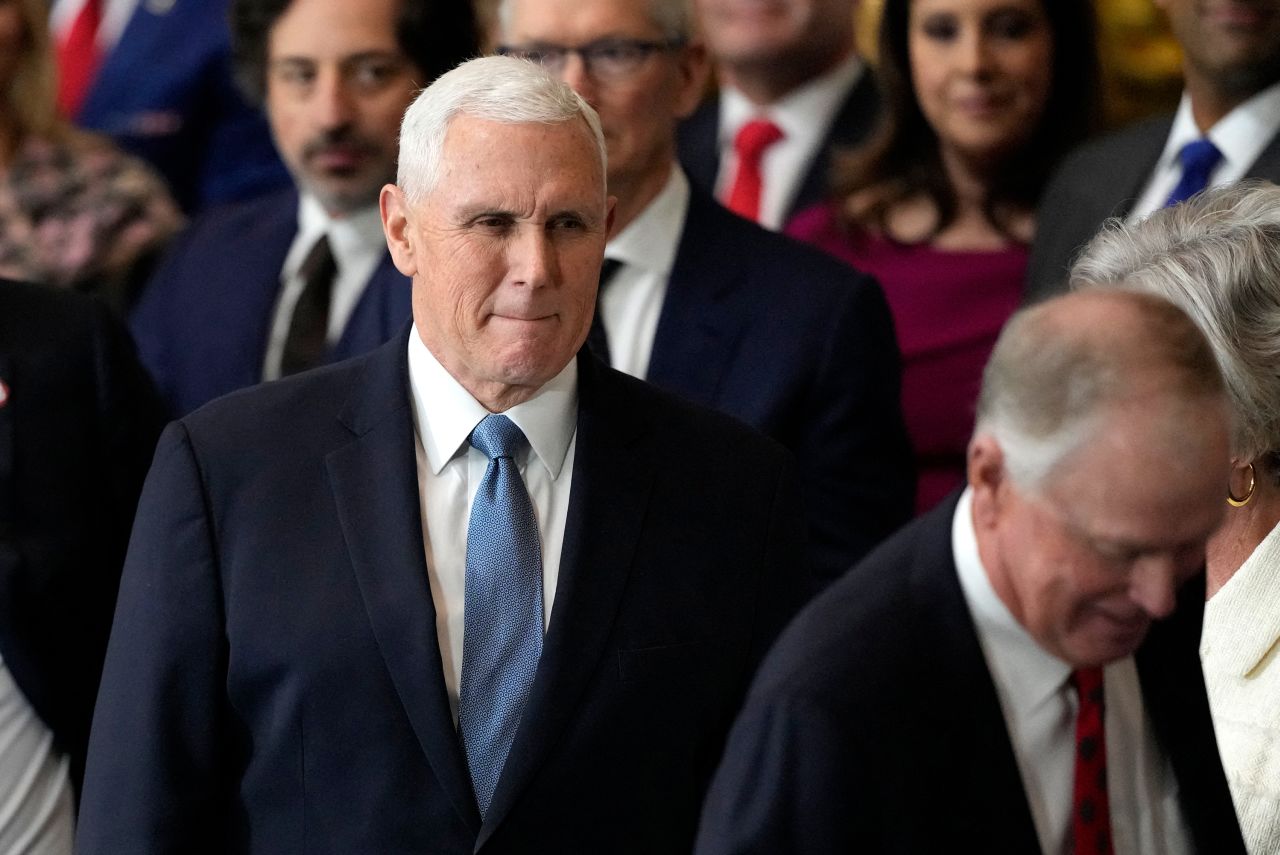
<point x="988" y="479"/>
<point x="395" y="225"/>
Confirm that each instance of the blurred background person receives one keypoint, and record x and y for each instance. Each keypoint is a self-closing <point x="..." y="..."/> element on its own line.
<point x="155" y="76"/>
<point x="1218" y="257"/>
<point x="792" y="87"/>
<point x="980" y="99"/>
<point x="268" y="287"/>
<point x="718" y="310"/>
<point x="1227" y="127"/>
<point x="74" y="211"/>
<point x="78" y="423"/>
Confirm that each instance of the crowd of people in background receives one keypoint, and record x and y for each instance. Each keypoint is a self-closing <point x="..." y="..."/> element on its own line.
<point x="673" y="431"/>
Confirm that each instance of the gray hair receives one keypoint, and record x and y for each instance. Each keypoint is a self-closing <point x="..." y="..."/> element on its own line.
<point x="1218" y="257"/>
<point x="674" y="17"/>
<point x="1057" y="366"/>
<point x="492" y="88"/>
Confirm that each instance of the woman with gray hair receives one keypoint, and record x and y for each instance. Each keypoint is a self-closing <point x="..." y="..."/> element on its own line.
<point x="1218" y="257"/>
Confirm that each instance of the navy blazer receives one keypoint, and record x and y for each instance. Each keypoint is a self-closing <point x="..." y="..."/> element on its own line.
<point x="1098" y="180"/>
<point x="874" y="724"/>
<point x="274" y="682"/>
<point x="699" y="143"/>
<point x="801" y="347"/>
<point x="165" y="93"/>
<point x="78" y="422"/>
<point x="203" y="321"/>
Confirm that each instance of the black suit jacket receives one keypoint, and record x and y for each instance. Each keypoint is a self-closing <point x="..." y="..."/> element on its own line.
<point x="274" y="682"/>
<point x="1103" y="179"/>
<point x="874" y="724"/>
<point x="699" y="147"/>
<point x="78" y="423"/>
<point x="801" y="347"/>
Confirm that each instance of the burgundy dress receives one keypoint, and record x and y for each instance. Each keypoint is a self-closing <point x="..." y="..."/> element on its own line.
<point x="948" y="308"/>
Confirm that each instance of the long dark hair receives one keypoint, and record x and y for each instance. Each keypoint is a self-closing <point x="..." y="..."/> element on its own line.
<point x="902" y="159"/>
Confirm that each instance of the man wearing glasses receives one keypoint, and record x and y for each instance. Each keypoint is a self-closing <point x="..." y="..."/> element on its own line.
<point x="712" y="307"/>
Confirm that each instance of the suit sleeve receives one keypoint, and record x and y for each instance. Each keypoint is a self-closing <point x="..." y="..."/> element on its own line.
<point x="855" y="456"/>
<point x="785" y="786"/>
<point x="156" y="779"/>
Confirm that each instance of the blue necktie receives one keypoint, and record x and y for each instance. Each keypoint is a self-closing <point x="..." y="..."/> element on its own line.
<point x="1198" y="157"/>
<point x="502" y="621"/>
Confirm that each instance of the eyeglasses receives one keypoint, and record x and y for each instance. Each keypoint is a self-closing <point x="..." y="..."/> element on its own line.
<point x="607" y="59"/>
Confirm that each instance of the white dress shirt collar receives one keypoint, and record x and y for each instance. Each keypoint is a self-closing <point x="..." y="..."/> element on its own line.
<point x="1034" y="675"/>
<point x="805" y="116"/>
<point x="445" y="413"/>
<point x="354" y="238"/>
<point x="649" y="241"/>
<point x="1241" y="135"/>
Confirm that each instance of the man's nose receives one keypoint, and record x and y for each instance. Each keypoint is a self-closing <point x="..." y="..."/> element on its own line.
<point x="577" y="74"/>
<point x="1154" y="584"/>
<point x="332" y="100"/>
<point x="532" y="258"/>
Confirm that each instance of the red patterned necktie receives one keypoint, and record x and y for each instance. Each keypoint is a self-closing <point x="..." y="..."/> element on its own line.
<point x="1091" y="810"/>
<point x="750" y="144"/>
<point x="78" y="58"/>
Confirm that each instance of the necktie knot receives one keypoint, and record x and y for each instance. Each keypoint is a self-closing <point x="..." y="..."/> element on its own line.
<point x="1088" y="685"/>
<point x="497" y="436"/>
<point x="754" y="137"/>
<point x="1198" y="159"/>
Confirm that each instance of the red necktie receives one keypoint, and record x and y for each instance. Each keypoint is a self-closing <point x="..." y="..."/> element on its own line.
<point x="78" y="58"/>
<point x="750" y="144"/>
<point x="1091" y="810"/>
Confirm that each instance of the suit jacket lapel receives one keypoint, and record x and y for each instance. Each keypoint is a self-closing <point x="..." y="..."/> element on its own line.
<point x="383" y="308"/>
<point x="701" y="317"/>
<point x="612" y="478"/>
<point x="855" y="120"/>
<point x="964" y="710"/>
<point x="374" y="482"/>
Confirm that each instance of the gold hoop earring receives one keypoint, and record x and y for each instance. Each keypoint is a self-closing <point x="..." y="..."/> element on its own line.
<point x="1248" y="494"/>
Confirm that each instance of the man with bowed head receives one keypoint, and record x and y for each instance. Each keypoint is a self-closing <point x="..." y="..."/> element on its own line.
<point x="1020" y="664"/>
<point x="466" y="593"/>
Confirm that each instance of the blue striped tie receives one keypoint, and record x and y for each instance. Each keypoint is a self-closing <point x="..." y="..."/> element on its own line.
<point x="502" y="622"/>
<point x="1198" y="157"/>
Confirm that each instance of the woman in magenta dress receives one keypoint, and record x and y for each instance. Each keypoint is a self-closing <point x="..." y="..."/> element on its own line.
<point x="981" y="98"/>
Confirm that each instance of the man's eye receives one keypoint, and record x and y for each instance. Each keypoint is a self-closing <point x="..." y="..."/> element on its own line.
<point x="568" y="224"/>
<point x="373" y="74"/>
<point x="492" y="222"/>
<point x="294" y="75"/>
<point x="939" y="28"/>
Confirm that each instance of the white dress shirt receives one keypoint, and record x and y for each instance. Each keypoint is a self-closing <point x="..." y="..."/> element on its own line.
<point x="632" y="300"/>
<point x="36" y="809"/>
<point x="1240" y="651"/>
<point x="804" y="115"/>
<point x="450" y="471"/>
<point x="1241" y="135"/>
<point x="357" y="243"/>
<point x="1039" y="708"/>
<point x="115" y="17"/>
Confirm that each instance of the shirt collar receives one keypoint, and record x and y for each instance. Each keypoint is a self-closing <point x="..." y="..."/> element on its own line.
<point x="445" y="413"/>
<point x="650" y="240"/>
<point x="1241" y="135"/>
<point x="1032" y="675"/>
<point x="807" y="110"/>
<point x="357" y="235"/>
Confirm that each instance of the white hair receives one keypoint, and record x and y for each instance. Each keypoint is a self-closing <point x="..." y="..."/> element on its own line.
<point x="1053" y="377"/>
<point x="1218" y="257"/>
<point x="674" y="17"/>
<point x="492" y="88"/>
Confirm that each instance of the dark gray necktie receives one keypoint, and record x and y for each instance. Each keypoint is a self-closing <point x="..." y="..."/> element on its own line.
<point x="305" y="344"/>
<point x="597" y="338"/>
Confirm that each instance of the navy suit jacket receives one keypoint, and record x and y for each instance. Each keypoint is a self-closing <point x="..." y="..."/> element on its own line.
<point x="274" y="682"/>
<point x="165" y="93"/>
<point x="699" y="145"/>
<point x="203" y="321"/>
<point x="801" y="347"/>
<point x="78" y="423"/>
<point x="1103" y="179"/>
<point x="874" y="724"/>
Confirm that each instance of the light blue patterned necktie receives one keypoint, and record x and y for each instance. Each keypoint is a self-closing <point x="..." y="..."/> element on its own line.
<point x="502" y="621"/>
<point x="1198" y="157"/>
